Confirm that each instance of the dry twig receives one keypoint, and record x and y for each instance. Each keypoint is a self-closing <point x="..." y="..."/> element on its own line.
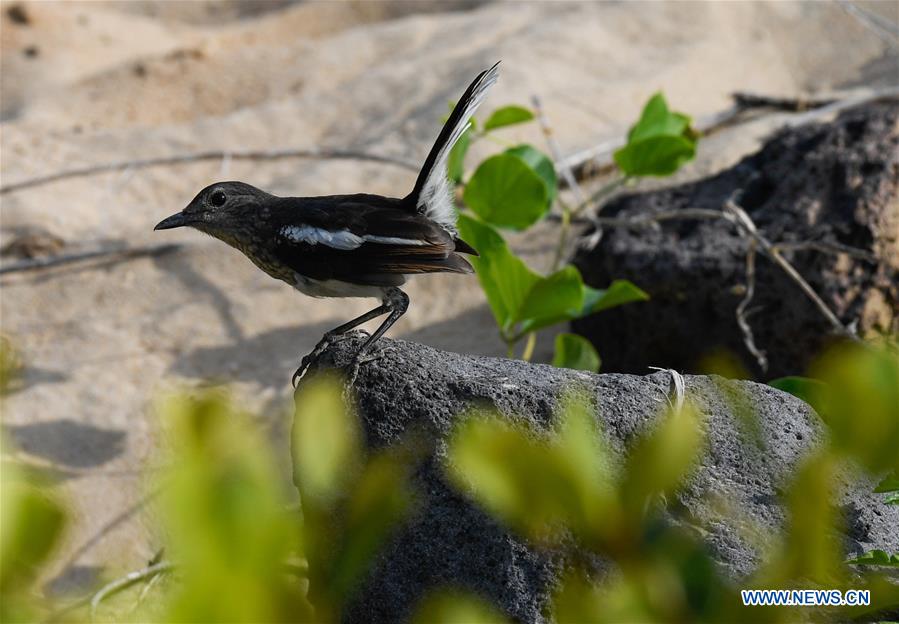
<point x="743" y="221"/>
<point x="742" y="307"/>
<point x="125" y="253"/>
<point x="321" y="154"/>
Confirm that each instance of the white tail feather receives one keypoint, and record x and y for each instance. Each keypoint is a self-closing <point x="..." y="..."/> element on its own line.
<point x="435" y="198"/>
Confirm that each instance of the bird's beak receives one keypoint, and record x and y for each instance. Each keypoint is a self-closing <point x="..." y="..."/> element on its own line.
<point x="176" y="220"/>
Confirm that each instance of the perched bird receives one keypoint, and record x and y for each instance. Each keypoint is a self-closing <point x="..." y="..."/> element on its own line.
<point x="347" y="245"/>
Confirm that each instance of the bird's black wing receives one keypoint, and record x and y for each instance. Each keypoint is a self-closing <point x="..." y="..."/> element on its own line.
<point x="360" y="239"/>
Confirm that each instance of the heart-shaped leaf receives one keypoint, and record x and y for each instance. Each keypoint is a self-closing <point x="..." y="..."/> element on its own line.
<point x="505" y="191"/>
<point x="541" y="164"/>
<point x="505" y="278"/>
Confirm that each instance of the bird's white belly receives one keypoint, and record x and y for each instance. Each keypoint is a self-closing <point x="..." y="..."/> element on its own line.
<point x="335" y="288"/>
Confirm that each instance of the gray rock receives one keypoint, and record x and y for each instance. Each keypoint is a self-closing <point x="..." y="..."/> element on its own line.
<point x="832" y="183"/>
<point x="450" y="542"/>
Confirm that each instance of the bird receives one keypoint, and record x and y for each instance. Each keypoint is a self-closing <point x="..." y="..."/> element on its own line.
<point x="358" y="245"/>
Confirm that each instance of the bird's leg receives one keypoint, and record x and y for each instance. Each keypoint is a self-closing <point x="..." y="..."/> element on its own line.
<point x="397" y="302"/>
<point x="330" y="335"/>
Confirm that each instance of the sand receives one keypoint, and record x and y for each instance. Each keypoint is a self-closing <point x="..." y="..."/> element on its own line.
<point x="87" y="83"/>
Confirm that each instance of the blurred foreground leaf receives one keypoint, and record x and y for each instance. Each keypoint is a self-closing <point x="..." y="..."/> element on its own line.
<point x="224" y="510"/>
<point x="858" y="398"/>
<point x="326" y="446"/>
<point x="31" y="524"/>
<point x="662" y="458"/>
<point x="456" y="608"/>
<point x="537" y="485"/>
<point x="351" y="503"/>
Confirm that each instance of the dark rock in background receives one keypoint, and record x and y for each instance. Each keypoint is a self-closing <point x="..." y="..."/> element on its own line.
<point x="835" y="182"/>
<point x="451" y="542"/>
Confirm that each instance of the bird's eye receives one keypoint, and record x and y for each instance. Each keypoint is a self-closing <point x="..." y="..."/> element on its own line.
<point x="217" y="199"/>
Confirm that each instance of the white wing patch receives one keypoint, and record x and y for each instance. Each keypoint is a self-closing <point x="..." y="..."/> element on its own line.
<point x="339" y="239"/>
<point x="435" y="199"/>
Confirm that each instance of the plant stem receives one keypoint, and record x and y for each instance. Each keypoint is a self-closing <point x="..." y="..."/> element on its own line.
<point x="564" y="229"/>
<point x="603" y="192"/>
<point x="528" y="352"/>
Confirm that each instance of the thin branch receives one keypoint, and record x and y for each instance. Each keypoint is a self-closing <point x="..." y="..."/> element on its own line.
<point x="745" y="222"/>
<point x="884" y="29"/>
<point x="127" y="581"/>
<point x="651" y="220"/>
<point x="741" y="312"/>
<point x="790" y="104"/>
<point x="220" y="155"/>
<point x="826" y="247"/>
<point x="124" y="252"/>
<point x="564" y="170"/>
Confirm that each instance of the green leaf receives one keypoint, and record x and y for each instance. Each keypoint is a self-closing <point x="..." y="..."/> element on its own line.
<point x="379" y="500"/>
<point x="655" y="156"/>
<point x="31" y="524"/>
<point x="803" y="388"/>
<point x="659" y="143"/>
<point x="618" y="293"/>
<point x="452" y="607"/>
<point x="552" y="299"/>
<point x="508" y="116"/>
<point x="518" y="295"/>
<point x="542" y="166"/>
<point x="662" y="458"/>
<point x="877" y="557"/>
<point x="505" y="191"/>
<point x="859" y="401"/>
<point x="889" y="484"/>
<point x="226" y="524"/>
<point x="657" y="120"/>
<point x="326" y="445"/>
<point x="505" y="278"/>
<point x="455" y="166"/>
<point x="573" y="351"/>
<point x="537" y="486"/>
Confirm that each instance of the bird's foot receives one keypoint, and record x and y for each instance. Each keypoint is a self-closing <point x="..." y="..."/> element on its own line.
<point x="309" y="359"/>
<point x="312" y="357"/>
<point x="374" y="352"/>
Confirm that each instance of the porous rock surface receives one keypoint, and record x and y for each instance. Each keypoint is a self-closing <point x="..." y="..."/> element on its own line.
<point x="832" y="182"/>
<point x="450" y="542"/>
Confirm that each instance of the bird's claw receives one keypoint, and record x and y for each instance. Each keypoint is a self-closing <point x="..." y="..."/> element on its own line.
<point x="308" y="360"/>
<point x="363" y="357"/>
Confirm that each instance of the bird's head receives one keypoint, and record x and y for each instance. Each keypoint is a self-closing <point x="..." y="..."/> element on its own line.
<point x="222" y="210"/>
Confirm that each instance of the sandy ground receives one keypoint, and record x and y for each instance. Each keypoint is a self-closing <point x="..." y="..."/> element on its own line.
<point x="95" y="82"/>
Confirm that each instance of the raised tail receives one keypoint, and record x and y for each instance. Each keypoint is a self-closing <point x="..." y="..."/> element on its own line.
<point x="432" y="196"/>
